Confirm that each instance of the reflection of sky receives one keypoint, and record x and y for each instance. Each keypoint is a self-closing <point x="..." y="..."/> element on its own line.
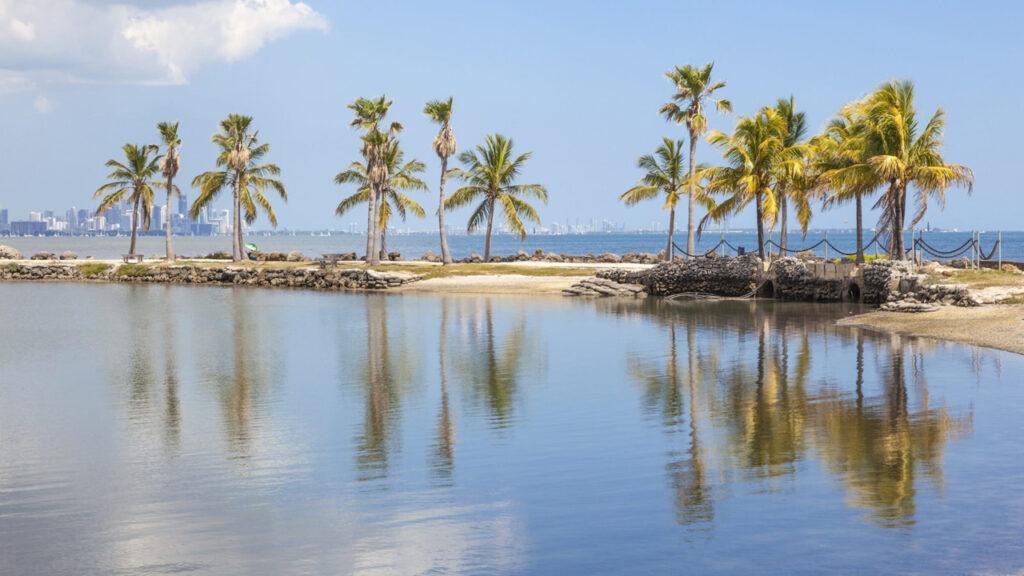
<point x="581" y="437"/>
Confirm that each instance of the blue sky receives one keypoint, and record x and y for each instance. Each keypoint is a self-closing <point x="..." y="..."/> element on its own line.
<point x="578" y="83"/>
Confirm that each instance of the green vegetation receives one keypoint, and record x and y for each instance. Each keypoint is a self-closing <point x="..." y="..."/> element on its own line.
<point x="93" y="269"/>
<point x="865" y="257"/>
<point x="240" y="168"/>
<point x="664" y="173"/>
<point x="694" y="90"/>
<point x="369" y="115"/>
<point x="874" y="148"/>
<point x="132" y="270"/>
<point x="131" y="181"/>
<point x="401" y="176"/>
<point x="490" y="173"/>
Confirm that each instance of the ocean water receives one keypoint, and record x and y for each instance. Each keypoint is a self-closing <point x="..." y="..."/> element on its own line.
<point x="199" y="430"/>
<point x="415" y="245"/>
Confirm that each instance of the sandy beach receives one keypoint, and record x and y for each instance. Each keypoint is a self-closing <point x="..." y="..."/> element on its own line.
<point x="993" y="326"/>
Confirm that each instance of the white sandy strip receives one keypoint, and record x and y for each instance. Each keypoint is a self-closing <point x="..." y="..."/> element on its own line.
<point x="493" y="284"/>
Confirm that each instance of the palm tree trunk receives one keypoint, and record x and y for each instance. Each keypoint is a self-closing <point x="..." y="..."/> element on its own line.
<point x="383" y="242"/>
<point x="170" y="249"/>
<point x="860" y="230"/>
<point x="446" y="255"/>
<point x="372" y="257"/>
<point x="671" y="232"/>
<point x="135" y="225"/>
<point x="236" y="251"/>
<point x="783" y="233"/>
<point x="490" y="227"/>
<point x="691" y="242"/>
<point x="760" y="227"/>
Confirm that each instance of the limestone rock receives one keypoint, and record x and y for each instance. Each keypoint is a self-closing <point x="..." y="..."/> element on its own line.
<point x="9" y="253"/>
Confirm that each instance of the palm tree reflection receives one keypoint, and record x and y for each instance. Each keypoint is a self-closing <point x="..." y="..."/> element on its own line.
<point x="775" y="414"/>
<point x="443" y="461"/>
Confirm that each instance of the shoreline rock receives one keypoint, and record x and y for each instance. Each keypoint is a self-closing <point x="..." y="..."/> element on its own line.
<point x="308" y="278"/>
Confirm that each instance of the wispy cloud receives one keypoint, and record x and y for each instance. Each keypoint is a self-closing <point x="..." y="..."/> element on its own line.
<point x="148" y="42"/>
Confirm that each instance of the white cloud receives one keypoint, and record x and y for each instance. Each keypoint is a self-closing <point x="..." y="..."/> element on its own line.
<point x="45" y="41"/>
<point x="42" y="104"/>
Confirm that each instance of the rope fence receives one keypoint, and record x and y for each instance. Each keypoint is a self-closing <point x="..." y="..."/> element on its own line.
<point x="972" y="246"/>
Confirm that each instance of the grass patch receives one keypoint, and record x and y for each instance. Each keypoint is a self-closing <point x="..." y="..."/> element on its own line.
<point x="11" y="267"/>
<point x="985" y="278"/>
<point x="867" y="258"/>
<point x="132" y="270"/>
<point x="93" y="269"/>
<point x="1018" y="299"/>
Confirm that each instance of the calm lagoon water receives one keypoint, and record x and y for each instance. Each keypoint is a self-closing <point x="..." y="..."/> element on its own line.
<point x="161" y="429"/>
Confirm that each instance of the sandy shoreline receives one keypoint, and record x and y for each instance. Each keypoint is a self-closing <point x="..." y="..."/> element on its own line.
<point x="994" y="326"/>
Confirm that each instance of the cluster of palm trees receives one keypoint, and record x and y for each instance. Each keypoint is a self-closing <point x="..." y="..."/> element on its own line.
<point x="240" y="167"/>
<point x="382" y="178"/>
<point x="874" y="145"/>
<point x="489" y="177"/>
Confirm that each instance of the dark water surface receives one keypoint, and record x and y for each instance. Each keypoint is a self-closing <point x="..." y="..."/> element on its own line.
<point x="278" y="432"/>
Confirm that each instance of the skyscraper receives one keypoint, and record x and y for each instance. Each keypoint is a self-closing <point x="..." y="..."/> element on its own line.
<point x="4" y="224"/>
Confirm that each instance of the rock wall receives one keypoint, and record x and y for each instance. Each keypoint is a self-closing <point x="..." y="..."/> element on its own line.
<point x="314" y="279"/>
<point x="723" y="276"/>
<point x="793" y="280"/>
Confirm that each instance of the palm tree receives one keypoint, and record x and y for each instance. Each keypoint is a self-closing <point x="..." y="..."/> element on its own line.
<point x="694" y="90"/>
<point x="790" y="180"/>
<point x="664" y="173"/>
<point x="754" y="154"/>
<point x="240" y="168"/>
<point x="840" y="157"/>
<point x="169" y="168"/>
<point x="131" y="181"/>
<point x="490" y="173"/>
<point x="903" y="156"/>
<point x="369" y="114"/>
<point x="401" y="176"/>
<point x="440" y="112"/>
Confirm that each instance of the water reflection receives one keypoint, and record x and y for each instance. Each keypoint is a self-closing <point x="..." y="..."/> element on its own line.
<point x="436" y="438"/>
<point x="491" y="363"/>
<point x="774" y="415"/>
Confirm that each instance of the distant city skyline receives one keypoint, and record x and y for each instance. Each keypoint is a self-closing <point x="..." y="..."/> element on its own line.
<point x="581" y="90"/>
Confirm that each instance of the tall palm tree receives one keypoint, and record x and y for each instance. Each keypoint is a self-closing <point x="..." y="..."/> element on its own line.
<point x="664" y="174"/>
<point x="905" y="156"/>
<point x="401" y="176"/>
<point x="440" y="112"/>
<point x="132" y="181"/>
<point x="753" y="154"/>
<point x="840" y="157"/>
<point x="369" y="115"/>
<point x="694" y="91"/>
<point x="790" y="181"/>
<point x="169" y="168"/>
<point x="241" y="168"/>
<point x="490" y="173"/>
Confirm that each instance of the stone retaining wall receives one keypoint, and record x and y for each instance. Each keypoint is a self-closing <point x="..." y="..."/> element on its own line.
<point x="314" y="279"/>
<point x="723" y="276"/>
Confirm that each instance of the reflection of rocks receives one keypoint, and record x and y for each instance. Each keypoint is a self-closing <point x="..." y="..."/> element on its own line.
<point x="603" y="287"/>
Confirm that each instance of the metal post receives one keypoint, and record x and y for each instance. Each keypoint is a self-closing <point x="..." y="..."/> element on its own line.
<point x="999" y="247"/>
<point x="976" y="251"/>
<point x="826" y="245"/>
